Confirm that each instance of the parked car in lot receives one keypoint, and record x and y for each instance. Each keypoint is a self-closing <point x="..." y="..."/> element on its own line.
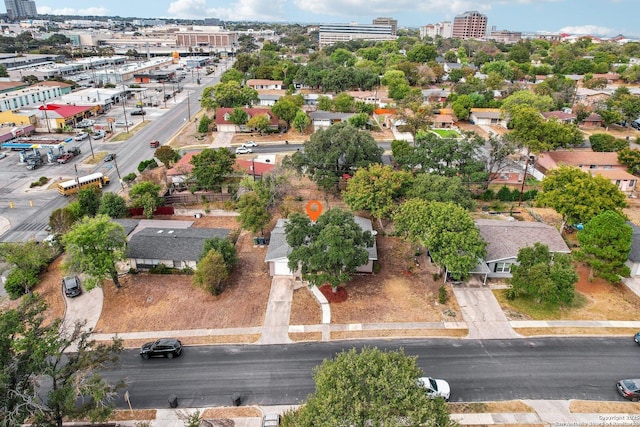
<point x="80" y="136"/>
<point x="109" y="157"/>
<point x="629" y="389"/>
<point x="250" y="144"/>
<point x="71" y="286"/>
<point x="138" y="113"/>
<point x="435" y="387"/>
<point x="64" y="158"/>
<point x="243" y="150"/>
<point x="164" y="347"/>
<point x="84" y="124"/>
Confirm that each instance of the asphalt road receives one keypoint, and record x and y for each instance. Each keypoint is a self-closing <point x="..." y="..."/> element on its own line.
<point x="490" y="370"/>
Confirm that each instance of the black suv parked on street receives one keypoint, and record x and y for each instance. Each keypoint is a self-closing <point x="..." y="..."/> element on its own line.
<point x="164" y="347"/>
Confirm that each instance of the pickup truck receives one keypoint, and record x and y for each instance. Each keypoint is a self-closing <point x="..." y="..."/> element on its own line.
<point x="74" y="150"/>
<point x="65" y="158"/>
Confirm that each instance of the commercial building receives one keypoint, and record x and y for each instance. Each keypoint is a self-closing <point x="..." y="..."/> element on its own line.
<point x="19" y="9"/>
<point x="208" y="38"/>
<point x="330" y="34"/>
<point x="504" y="36"/>
<point x="470" y="25"/>
<point x="443" y="29"/>
<point x="387" y="21"/>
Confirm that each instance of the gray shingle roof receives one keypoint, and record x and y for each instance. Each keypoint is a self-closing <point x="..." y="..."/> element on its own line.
<point x="184" y="244"/>
<point x="505" y="238"/>
<point x="326" y="115"/>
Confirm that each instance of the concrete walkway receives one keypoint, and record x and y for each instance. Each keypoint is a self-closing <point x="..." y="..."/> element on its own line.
<point x="276" y="320"/>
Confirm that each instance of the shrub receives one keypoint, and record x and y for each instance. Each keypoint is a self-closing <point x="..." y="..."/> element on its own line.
<point x="376" y="267"/>
<point x="129" y="177"/>
<point x="530" y="195"/>
<point x="161" y="269"/>
<point x="504" y="194"/>
<point x="19" y="282"/>
<point x="488" y="195"/>
<point x="147" y="164"/>
<point x="442" y="294"/>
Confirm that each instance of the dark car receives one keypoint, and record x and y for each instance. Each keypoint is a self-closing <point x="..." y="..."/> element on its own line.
<point x="109" y="157"/>
<point x="629" y="389"/>
<point x="636" y="338"/>
<point x="164" y="347"/>
<point x="71" y="286"/>
<point x="138" y="113"/>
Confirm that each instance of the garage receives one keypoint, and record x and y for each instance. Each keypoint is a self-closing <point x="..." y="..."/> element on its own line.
<point x="280" y="268"/>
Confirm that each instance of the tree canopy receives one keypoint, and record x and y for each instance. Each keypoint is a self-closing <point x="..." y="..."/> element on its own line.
<point x="578" y="196"/>
<point x="211" y="166"/>
<point x="369" y="387"/>
<point x="145" y="195"/>
<point x="605" y="243"/>
<point x="329" y="250"/>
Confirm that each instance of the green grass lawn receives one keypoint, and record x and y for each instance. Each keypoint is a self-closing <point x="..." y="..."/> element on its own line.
<point x="446" y="133"/>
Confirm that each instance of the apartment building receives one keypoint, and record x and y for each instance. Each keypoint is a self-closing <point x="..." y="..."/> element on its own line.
<point x="19" y="9"/>
<point x="443" y="29"/>
<point x="470" y="25"/>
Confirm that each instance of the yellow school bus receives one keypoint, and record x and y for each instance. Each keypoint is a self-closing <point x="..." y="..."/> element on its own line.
<point x="93" y="180"/>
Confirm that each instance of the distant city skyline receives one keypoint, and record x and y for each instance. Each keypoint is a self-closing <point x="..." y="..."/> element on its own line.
<point x="597" y="17"/>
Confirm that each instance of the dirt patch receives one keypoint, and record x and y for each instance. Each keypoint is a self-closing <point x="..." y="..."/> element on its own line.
<point x="136" y="414"/>
<point x="170" y="302"/>
<point x="305" y="336"/>
<point x="597" y="331"/>
<point x="400" y="333"/>
<point x="307" y="310"/>
<point x="231" y="412"/>
<point x="509" y="406"/>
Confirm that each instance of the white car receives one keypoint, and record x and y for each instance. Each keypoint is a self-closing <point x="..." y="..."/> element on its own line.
<point x="81" y="136"/>
<point x="122" y="123"/>
<point x="435" y="387"/>
<point x="243" y="150"/>
<point x="250" y="144"/>
<point x="3" y="155"/>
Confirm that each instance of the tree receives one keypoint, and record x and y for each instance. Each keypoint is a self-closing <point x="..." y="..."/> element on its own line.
<point x="224" y="247"/>
<point x="605" y="243"/>
<point x="95" y="246"/>
<point x="328" y="251"/>
<point x="397" y="84"/>
<point x="343" y="103"/>
<point x="544" y="277"/>
<point x="211" y="166"/>
<point x="439" y="188"/>
<point x="631" y="159"/>
<point x="211" y="273"/>
<point x="238" y="116"/>
<point x="499" y="150"/>
<point x="604" y="142"/>
<point x="204" y="123"/>
<point x="166" y="155"/>
<point x="145" y="195"/>
<point x="113" y="206"/>
<point x="89" y="199"/>
<point x="369" y="387"/>
<point x="232" y="74"/>
<point x="524" y="97"/>
<point x="462" y="107"/>
<point x="375" y="189"/>
<point x="301" y="121"/>
<point x="62" y="219"/>
<point x="341" y="149"/>
<point x="231" y="95"/>
<point x="260" y="122"/>
<point x="28" y="259"/>
<point x="422" y="53"/>
<point x="254" y="215"/>
<point x="36" y="348"/>
<point x="578" y="196"/>
<point x="286" y="108"/>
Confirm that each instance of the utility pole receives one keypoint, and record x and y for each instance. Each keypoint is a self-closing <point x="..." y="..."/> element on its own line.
<point x="188" y="106"/>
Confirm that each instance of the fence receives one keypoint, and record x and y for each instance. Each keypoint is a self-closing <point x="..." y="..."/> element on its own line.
<point x="190" y="199"/>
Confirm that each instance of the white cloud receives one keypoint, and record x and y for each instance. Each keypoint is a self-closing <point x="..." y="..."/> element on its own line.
<point x="589" y="29"/>
<point x="90" y="11"/>
<point x="250" y="10"/>
<point x="188" y="9"/>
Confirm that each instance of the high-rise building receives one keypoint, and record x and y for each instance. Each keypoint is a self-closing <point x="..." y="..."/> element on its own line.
<point x="442" y="29"/>
<point x="18" y="9"/>
<point x="470" y="25"/>
<point x="387" y="21"/>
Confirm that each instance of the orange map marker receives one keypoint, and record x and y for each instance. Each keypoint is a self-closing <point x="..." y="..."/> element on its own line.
<point x="314" y="209"/>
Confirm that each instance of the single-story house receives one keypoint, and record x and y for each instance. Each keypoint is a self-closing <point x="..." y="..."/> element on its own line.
<point x="625" y="181"/>
<point x="173" y="247"/>
<point x="504" y="240"/>
<point x="593" y="121"/>
<point x="561" y="116"/>
<point x="487" y="116"/>
<point x="591" y="97"/>
<point x="435" y="95"/>
<point x="279" y="250"/>
<point x="224" y="125"/>
<point x="324" y="119"/>
<point x="264" y="84"/>
<point x="443" y="121"/>
<point x="633" y="262"/>
<point x="268" y="99"/>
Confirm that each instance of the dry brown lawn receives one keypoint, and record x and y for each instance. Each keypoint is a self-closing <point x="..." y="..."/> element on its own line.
<point x="593" y="407"/>
<point x="508" y="406"/>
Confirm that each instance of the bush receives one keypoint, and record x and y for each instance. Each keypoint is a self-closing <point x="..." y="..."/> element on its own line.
<point x="443" y="296"/>
<point x="504" y="194"/>
<point x="376" y="267"/>
<point x="530" y="195"/>
<point x="40" y="182"/>
<point x="129" y="177"/>
<point x="488" y="195"/>
<point x="161" y="269"/>
<point x="147" y="164"/>
<point x="19" y="282"/>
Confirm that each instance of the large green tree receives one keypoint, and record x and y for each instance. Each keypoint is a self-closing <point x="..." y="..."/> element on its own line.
<point x="232" y="94"/>
<point x="578" y="196"/>
<point x="543" y="276"/>
<point x="331" y="153"/>
<point x="225" y="247"/>
<point x="366" y="388"/>
<point x="28" y="259"/>
<point x="94" y="247"/>
<point x="113" y="205"/>
<point x="440" y="188"/>
<point x="286" y="109"/>
<point x="211" y="273"/>
<point x="631" y="159"/>
<point x="167" y="155"/>
<point x="89" y="199"/>
<point x="329" y="250"/>
<point x="35" y="349"/>
<point x="605" y="243"/>
<point x="376" y="189"/>
<point x="211" y="166"/>
<point x="145" y="195"/>
<point x="254" y="215"/>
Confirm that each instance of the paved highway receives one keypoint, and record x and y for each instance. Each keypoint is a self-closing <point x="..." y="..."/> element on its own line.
<point x="490" y="370"/>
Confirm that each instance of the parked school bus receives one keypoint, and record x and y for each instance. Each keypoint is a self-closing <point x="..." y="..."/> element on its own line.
<point x="93" y="180"/>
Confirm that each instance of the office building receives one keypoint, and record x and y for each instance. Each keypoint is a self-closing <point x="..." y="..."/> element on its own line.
<point x="20" y="9"/>
<point x="387" y="21"/>
<point x="330" y="34"/>
<point x="442" y="29"/>
<point x="504" y="36"/>
<point x="470" y="25"/>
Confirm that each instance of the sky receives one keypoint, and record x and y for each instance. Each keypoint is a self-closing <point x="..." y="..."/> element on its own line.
<point x="597" y="17"/>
